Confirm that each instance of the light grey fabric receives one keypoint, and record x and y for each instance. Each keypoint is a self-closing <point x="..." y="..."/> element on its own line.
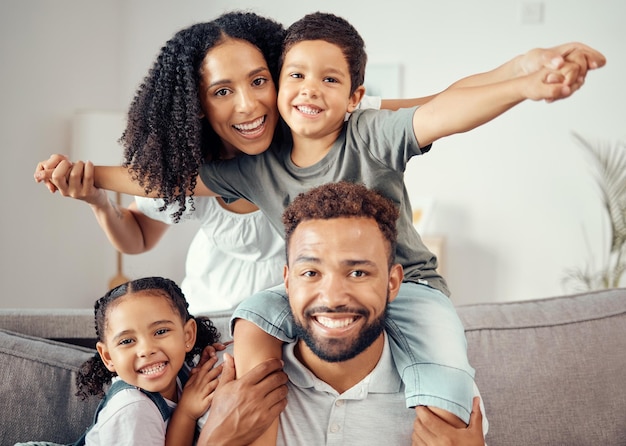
<point x="37" y="390"/>
<point x="552" y="371"/>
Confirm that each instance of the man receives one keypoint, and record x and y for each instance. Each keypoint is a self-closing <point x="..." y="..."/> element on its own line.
<point x="340" y="276"/>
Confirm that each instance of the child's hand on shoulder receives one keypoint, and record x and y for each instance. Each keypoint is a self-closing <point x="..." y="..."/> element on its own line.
<point x="198" y="392"/>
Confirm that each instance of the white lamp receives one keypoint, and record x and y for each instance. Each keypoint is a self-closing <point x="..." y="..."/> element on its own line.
<point x="95" y="135"/>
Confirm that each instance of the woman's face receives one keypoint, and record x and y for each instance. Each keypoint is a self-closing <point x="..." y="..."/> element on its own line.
<point x="238" y="97"/>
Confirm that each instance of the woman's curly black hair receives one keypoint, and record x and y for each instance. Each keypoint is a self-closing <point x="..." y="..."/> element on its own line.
<point x="166" y="139"/>
<point x="93" y="375"/>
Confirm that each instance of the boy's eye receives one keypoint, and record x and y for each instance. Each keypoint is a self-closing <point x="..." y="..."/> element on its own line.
<point x="296" y="75"/>
<point x="330" y="80"/>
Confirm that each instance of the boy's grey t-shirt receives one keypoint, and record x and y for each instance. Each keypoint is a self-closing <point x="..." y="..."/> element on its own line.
<point x="373" y="149"/>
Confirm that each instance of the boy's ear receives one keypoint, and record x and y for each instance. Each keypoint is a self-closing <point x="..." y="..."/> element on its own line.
<point x="103" y="351"/>
<point x="355" y="98"/>
<point x="190" y="329"/>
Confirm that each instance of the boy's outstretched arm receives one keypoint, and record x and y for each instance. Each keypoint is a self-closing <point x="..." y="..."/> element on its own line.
<point x="458" y="110"/>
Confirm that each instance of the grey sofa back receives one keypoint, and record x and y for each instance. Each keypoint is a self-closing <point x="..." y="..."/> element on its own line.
<point x="551" y="371"/>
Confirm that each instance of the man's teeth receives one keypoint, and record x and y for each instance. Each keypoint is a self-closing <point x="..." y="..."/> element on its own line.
<point x="156" y="368"/>
<point x="250" y="125"/>
<point x="335" y="323"/>
<point x="308" y="110"/>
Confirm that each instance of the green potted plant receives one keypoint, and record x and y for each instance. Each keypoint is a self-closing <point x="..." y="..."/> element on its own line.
<point x="609" y="163"/>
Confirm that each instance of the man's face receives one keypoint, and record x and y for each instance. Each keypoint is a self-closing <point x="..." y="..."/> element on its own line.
<point x="339" y="283"/>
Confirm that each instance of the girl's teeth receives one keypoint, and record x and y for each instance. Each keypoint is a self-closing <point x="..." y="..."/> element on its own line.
<point x="153" y="369"/>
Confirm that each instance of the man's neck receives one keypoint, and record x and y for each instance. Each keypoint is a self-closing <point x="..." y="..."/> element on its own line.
<point x="344" y="375"/>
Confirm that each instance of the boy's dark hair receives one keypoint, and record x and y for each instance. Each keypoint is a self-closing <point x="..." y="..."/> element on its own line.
<point x="166" y="139"/>
<point x="93" y="374"/>
<point x="340" y="200"/>
<point x="332" y="29"/>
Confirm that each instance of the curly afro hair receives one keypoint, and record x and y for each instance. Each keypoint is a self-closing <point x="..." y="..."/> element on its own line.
<point x="340" y="200"/>
<point x="166" y="140"/>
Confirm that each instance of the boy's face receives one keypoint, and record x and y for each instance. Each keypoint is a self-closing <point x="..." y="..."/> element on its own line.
<point x="339" y="283"/>
<point x="238" y="97"/>
<point x="145" y="342"/>
<point x="314" y="89"/>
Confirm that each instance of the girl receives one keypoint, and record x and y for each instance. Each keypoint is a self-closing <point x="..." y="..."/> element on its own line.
<point x="144" y="337"/>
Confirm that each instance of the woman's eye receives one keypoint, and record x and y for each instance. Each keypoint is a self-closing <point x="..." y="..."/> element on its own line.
<point x="221" y="92"/>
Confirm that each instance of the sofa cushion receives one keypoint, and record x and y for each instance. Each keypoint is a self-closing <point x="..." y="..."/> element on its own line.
<point x="42" y="372"/>
<point x="551" y="371"/>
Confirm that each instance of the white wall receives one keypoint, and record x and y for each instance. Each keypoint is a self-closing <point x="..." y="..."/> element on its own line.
<point x="514" y="198"/>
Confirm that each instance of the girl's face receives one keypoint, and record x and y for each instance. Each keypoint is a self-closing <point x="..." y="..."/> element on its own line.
<point x="146" y="341"/>
<point x="238" y="97"/>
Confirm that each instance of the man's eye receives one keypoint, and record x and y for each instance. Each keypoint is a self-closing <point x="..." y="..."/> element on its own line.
<point x="358" y="273"/>
<point x="309" y="274"/>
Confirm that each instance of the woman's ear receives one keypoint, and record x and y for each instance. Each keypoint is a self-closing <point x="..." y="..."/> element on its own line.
<point x="190" y="329"/>
<point x="103" y="351"/>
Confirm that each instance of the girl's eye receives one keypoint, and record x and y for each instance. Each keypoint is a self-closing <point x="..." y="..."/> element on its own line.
<point x="161" y="331"/>
<point x="126" y="342"/>
<point x="296" y="75"/>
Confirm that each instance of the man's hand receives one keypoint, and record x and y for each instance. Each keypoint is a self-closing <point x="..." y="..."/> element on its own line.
<point x="242" y="409"/>
<point x="430" y="430"/>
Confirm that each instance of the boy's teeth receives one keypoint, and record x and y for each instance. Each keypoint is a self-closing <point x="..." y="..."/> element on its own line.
<point x="308" y="110"/>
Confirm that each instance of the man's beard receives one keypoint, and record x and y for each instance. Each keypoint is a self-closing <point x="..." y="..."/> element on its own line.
<point x="338" y="350"/>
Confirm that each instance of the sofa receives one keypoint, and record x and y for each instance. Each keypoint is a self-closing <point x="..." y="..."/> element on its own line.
<point x="551" y="371"/>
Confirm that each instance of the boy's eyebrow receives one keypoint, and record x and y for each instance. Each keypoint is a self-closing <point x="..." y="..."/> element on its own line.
<point x="228" y="81"/>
